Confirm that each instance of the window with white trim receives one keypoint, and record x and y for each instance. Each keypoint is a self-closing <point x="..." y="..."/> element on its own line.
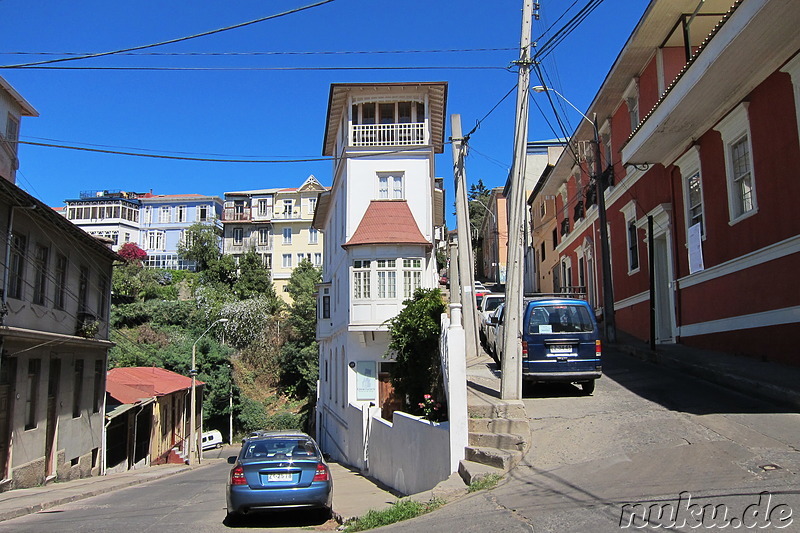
<point x="689" y="165"/>
<point x="313" y="236"/>
<point x="202" y="213"/>
<point x="387" y="278"/>
<point x="156" y="240"/>
<point x="180" y="213"/>
<point x="147" y="216"/>
<point x="361" y="277"/>
<point x="735" y="132"/>
<point x="632" y="234"/>
<point x="238" y="236"/>
<point x="287" y="235"/>
<point x="312" y="205"/>
<point x="317" y="260"/>
<point x="265" y="207"/>
<point x="631" y="98"/>
<point x="264" y="236"/>
<point x="287" y="261"/>
<point x="390" y="186"/>
<point x="12" y="132"/>
<point x="163" y="214"/>
<point x="412" y="276"/>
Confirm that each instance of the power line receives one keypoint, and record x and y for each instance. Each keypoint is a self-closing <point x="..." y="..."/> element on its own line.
<point x="172" y="41"/>
<point x="60" y="67"/>
<point x="274" y="52"/>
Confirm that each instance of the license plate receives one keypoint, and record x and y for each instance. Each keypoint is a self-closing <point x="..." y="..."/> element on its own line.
<point x="560" y="348"/>
<point x="279" y="477"/>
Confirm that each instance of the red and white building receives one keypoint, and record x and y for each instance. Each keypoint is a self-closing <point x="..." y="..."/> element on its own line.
<point x="698" y="119"/>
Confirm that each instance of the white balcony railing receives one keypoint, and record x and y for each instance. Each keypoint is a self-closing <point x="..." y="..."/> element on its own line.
<point x="412" y="134"/>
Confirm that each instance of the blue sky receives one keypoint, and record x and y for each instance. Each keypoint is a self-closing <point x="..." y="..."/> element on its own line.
<point x="255" y="113"/>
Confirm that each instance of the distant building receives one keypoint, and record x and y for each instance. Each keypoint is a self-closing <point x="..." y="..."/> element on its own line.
<point x="12" y="108"/>
<point x="163" y="221"/>
<point x="110" y="214"/>
<point x="276" y="224"/>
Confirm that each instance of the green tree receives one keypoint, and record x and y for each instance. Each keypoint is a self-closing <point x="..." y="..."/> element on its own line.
<point x="299" y="354"/>
<point x="254" y="278"/>
<point x="201" y="245"/>
<point x="414" y="342"/>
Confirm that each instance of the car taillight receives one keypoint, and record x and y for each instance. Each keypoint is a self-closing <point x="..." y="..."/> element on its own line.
<point x="524" y="349"/>
<point x="322" y="473"/>
<point x="237" y="476"/>
<point x="598" y="348"/>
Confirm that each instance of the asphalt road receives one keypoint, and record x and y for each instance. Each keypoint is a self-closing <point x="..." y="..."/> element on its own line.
<point x="648" y="435"/>
<point x="193" y="501"/>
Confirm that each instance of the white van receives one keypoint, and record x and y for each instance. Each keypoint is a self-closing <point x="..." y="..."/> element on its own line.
<point x="211" y="439"/>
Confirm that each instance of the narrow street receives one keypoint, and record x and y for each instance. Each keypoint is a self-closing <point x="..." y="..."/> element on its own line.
<point x="647" y="435"/>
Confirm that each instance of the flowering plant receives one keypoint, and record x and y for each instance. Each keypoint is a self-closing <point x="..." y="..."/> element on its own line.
<point x="430" y="408"/>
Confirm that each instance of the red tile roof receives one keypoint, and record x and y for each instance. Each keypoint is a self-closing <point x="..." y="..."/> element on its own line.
<point x="387" y="222"/>
<point x="132" y="384"/>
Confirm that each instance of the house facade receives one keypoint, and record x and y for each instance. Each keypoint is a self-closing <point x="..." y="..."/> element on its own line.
<point x="147" y="417"/>
<point x="163" y="221"/>
<point x="12" y="108"/>
<point x="276" y="223"/>
<point x="379" y="220"/>
<point x="494" y="238"/>
<point x="698" y="121"/>
<point x="108" y="214"/>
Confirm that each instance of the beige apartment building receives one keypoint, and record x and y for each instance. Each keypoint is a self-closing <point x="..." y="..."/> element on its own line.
<point x="276" y="223"/>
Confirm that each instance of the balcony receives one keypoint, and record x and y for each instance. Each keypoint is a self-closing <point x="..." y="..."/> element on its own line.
<point x="232" y="215"/>
<point x="251" y="243"/>
<point x="369" y="135"/>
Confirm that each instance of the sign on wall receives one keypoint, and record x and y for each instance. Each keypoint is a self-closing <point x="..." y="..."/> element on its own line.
<point x="366" y="380"/>
<point x="695" y="249"/>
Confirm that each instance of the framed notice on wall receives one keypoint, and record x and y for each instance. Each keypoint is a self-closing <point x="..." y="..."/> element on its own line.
<point x="695" y="249"/>
<point x="366" y="380"/>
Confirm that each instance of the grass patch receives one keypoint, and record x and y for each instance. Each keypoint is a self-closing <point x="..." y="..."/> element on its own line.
<point x="486" y="482"/>
<point x="399" y="511"/>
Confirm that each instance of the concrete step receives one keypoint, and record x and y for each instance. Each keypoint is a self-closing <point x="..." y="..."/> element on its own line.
<point x="471" y="471"/>
<point x="510" y="410"/>
<point x="514" y="426"/>
<point x="503" y="441"/>
<point x="502" y="459"/>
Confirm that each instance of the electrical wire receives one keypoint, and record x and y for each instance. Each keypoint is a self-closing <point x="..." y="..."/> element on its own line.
<point x="172" y="41"/>
<point x="274" y="52"/>
<point x="264" y="69"/>
<point x="566" y="30"/>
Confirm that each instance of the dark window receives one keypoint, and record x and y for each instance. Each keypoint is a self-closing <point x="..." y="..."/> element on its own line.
<point x="542" y="258"/>
<point x="17" y="270"/>
<point x="77" y="389"/>
<point x="326" y="307"/>
<point x="60" y="296"/>
<point x="32" y="394"/>
<point x="40" y="281"/>
<point x="555" y="238"/>
<point x="99" y="372"/>
<point x="633" y="246"/>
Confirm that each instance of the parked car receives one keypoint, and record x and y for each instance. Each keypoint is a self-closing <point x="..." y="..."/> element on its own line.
<point x="279" y="470"/>
<point x="211" y="439"/>
<point x="480" y="292"/>
<point x="560" y="342"/>
<point x="492" y="335"/>
<point x="489" y="303"/>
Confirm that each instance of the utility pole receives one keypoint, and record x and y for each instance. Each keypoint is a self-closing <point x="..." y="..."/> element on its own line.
<point x="466" y="281"/>
<point x="511" y="382"/>
<point x="609" y="326"/>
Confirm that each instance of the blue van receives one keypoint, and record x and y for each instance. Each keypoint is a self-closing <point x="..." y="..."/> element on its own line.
<point x="560" y="342"/>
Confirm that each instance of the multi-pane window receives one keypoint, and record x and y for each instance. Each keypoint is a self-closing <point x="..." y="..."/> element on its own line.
<point x="265" y="207"/>
<point x="361" y="271"/>
<point x="238" y="236"/>
<point x="633" y="246"/>
<point x="32" y="394"/>
<point x="147" y="216"/>
<point x="77" y="388"/>
<point x="313" y="236"/>
<point x="742" y="177"/>
<point x="287" y="261"/>
<point x="312" y="205"/>
<point x="264" y="236"/>
<point x="390" y="186"/>
<point x="40" y="281"/>
<point x="694" y="199"/>
<point x="317" y="259"/>
<point x="326" y="306"/>
<point x="268" y="261"/>
<point x="12" y="132"/>
<point x="19" y="244"/>
<point x="180" y="213"/>
<point x="287" y="235"/>
<point x="412" y="276"/>
<point x="156" y="240"/>
<point x="287" y="208"/>
<point x="202" y="213"/>
<point x="83" y="289"/>
<point x="60" y="295"/>
<point x="163" y="214"/>
<point x="387" y="278"/>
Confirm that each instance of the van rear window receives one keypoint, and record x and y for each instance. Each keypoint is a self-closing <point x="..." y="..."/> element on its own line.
<point x="560" y="319"/>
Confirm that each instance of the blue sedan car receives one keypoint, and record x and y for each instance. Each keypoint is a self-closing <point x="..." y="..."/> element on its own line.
<point x="279" y="470"/>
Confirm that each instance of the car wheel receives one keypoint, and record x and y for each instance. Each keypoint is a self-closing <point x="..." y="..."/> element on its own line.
<point x="587" y="387"/>
<point x="324" y="514"/>
<point x="232" y="518"/>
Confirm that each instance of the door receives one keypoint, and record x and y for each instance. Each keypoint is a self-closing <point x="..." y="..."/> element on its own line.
<point x="52" y="416"/>
<point x="387" y="399"/>
<point x="663" y="288"/>
<point x="7" y="375"/>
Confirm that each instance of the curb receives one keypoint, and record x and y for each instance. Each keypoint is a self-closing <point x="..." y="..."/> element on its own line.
<point x="31" y="509"/>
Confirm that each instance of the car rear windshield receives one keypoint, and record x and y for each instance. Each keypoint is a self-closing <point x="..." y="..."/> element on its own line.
<point x="279" y="449"/>
<point x="492" y="303"/>
<point x="560" y="319"/>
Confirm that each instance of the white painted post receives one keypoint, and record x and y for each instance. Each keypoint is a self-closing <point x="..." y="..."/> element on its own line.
<point x="457" y="377"/>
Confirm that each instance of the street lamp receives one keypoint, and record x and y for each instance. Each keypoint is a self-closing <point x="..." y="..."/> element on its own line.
<point x="193" y="440"/>
<point x="609" y="326"/>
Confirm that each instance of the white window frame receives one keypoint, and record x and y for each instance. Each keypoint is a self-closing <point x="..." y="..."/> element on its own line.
<point x="312" y="205"/>
<point x="238" y="236"/>
<point x="734" y="129"/>
<point x="631" y="98"/>
<point x="287" y="235"/>
<point x="793" y="69"/>
<point x="689" y="165"/>
<point x="317" y="259"/>
<point x="12" y="132"/>
<point x="180" y="213"/>
<point x="391" y="185"/>
<point x="313" y="236"/>
<point x="202" y="213"/>
<point x="386" y="270"/>
<point x="629" y="213"/>
<point x="156" y="240"/>
<point x="264" y="236"/>
<point x="412" y="275"/>
<point x="147" y="215"/>
<point x="361" y="279"/>
<point x="164" y="214"/>
<point x="286" y="261"/>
